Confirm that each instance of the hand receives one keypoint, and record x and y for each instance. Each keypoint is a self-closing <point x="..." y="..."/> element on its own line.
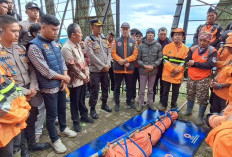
<point x="28" y="93"/>
<point x="190" y="63"/>
<point x="127" y="65"/>
<point x="66" y="79"/>
<point x="63" y="85"/>
<point x="33" y="93"/>
<point x="106" y="68"/>
<point x="121" y="62"/>
<point x="214" y="85"/>
<point x="176" y="71"/>
<point x="86" y="80"/>
<point x="89" y="44"/>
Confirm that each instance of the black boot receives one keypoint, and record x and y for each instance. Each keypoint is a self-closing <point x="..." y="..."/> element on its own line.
<point x="105" y="107"/>
<point x="117" y="107"/>
<point x="25" y="152"/>
<point x="38" y="146"/>
<point x="87" y="119"/>
<point x="93" y="113"/>
<point x="77" y="127"/>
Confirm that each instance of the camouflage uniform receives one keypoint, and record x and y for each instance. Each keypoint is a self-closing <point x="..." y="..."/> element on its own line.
<point x="198" y="89"/>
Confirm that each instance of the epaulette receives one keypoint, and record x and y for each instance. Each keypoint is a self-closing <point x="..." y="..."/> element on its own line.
<point x="92" y="37"/>
<point x="103" y="36"/>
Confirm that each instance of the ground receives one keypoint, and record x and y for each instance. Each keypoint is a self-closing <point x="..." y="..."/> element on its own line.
<point x="108" y="121"/>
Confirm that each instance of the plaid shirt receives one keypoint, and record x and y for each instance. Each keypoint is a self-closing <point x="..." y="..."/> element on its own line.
<point x="36" y="56"/>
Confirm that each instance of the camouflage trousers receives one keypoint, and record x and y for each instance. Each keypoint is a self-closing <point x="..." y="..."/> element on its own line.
<point x="198" y="89"/>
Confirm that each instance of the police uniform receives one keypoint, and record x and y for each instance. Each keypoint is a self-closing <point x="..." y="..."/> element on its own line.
<point x="25" y="77"/>
<point x="100" y="56"/>
<point x="24" y="35"/>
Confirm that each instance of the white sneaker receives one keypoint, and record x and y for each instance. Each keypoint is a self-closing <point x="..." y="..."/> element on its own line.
<point x="59" y="147"/>
<point x="68" y="133"/>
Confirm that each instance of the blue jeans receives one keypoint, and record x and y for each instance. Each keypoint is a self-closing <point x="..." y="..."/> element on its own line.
<point x="55" y="104"/>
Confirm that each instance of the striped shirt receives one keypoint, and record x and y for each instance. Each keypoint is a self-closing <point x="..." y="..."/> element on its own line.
<point x="36" y="56"/>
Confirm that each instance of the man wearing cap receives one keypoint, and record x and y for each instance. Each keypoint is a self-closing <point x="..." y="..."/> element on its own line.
<point x="213" y="28"/>
<point x="12" y="10"/>
<point x="149" y="59"/>
<point x="124" y="53"/>
<point x="100" y="58"/>
<point x="32" y="10"/>
<point x="219" y="85"/>
<point x="110" y="39"/>
<point x="3" y="7"/>
<point x="163" y="40"/>
<point x="200" y="61"/>
<point x="174" y="55"/>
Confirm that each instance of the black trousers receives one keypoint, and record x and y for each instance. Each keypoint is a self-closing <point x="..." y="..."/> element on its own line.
<point x="111" y="74"/>
<point x="29" y="132"/>
<point x="11" y="148"/>
<point x="157" y="80"/>
<point x="77" y="103"/>
<point x="129" y="87"/>
<point x="217" y="104"/>
<point x="135" y="79"/>
<point x="165" y="93"/>
<point x="95" y="80"/>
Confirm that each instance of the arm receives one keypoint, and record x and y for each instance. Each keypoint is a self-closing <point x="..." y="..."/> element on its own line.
<point x="167" y="65"/>
<point x="215" y="43"/>
<point x="159" y="60"/>
<point x="189" y="57"/>
<point x="209" y="64"/>
<point x="134" y="56"/>
<point x="109" y="57"/>
<point x="33" y="82"/>
<point x="195" y="37"/>
<point x="94" y="60"/>
<point x="139" y="59"/>
<point x="114" y="55"/>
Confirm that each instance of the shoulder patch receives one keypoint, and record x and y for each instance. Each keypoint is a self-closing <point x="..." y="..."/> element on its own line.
<point x="214" y="59"/>
<point x="56" y="44"/>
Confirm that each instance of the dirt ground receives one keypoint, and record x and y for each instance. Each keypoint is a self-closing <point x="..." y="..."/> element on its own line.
<point x="108" y="121"/>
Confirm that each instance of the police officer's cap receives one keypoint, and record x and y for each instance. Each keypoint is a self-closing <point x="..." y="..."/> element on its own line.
<point x="96" y="22"/>
<point x="31" y="5"/>
<point x="212" y="10"/>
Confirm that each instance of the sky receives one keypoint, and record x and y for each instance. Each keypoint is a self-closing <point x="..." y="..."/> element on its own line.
<point x="143" y="14"/>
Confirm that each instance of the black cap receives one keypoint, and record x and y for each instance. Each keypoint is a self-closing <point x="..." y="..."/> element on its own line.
<point x="125" y="25"/>
<point x="31" y="5"/>
<point x="212" y="10"/>
<point x="96" y="22"/>
<point x="139" y="33"/>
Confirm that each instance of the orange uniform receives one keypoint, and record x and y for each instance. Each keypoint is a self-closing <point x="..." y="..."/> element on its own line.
<point x="220" y="141"/>
<point x="14" y="109"/>
<point x="223" y="56"/>
<point x="174" y="58"/>
<point x="197" y="73"/>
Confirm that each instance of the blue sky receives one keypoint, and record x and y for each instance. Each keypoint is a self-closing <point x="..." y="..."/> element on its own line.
<point x="143" y="14"/>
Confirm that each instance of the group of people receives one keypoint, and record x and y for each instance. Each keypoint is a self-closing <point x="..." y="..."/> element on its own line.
<point x="36" y="72"/>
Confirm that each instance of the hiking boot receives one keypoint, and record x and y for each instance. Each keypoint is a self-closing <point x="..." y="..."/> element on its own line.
<point x="117" y="106"/>
<point x="139" y="108"/>
<point x="38" y="146"/>
<point x="68" y="133"/>
<point x="59" y="147"/>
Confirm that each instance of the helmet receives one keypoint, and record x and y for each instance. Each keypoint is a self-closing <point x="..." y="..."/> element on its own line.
<point x="177" y="30"/>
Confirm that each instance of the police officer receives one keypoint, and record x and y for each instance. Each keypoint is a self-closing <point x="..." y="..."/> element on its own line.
<point x="32" y="10"/>
<point x="213" y="28"/>
<point x="100" y="57"/>
<point x="12" y="10"/>
<point x="24" y="76"/>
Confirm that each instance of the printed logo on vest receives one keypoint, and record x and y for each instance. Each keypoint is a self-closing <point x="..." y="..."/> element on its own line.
<point x="56" y="45"/>
<point x="204" y="58"/>
<point x="46" y="46"/>
<point x="3" y="53"/>
<point x="119" y="43"/>
<point x="214" y="59"/>
<point x="130" y="44"/>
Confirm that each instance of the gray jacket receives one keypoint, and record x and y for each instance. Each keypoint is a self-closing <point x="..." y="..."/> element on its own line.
<point x="150" y="53"/>
<point x="99" y="55"/>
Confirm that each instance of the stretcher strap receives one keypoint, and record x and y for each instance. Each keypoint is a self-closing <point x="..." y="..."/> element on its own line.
<point x="169" y="116"/>
<point x="127" y="154"/>
<point x="138" y="147"/>
<point x="121" y="146"/>
<point x="163" y="124"/>
<point x="157" y="127"/>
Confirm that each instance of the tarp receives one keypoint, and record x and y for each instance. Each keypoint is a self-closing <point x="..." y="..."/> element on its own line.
<point x="181" y="139"/>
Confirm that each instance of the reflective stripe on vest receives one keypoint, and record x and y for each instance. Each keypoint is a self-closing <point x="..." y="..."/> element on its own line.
<point x="7" y="89"/>
<point x="173" y="60"/>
